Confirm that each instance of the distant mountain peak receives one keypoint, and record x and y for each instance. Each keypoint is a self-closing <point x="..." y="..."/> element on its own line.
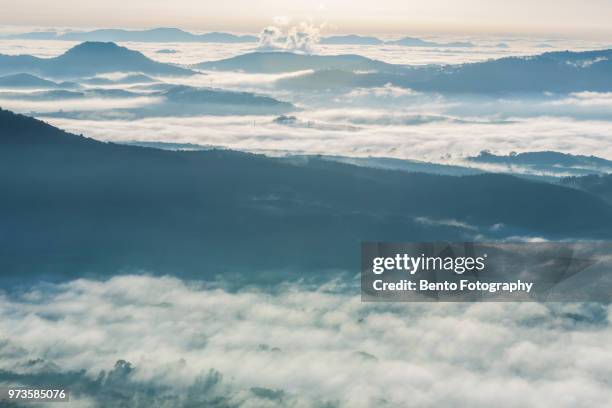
<point x="158" y="34"/>
<point x="167" y="30"/>
<point x="22" y="76"/>
<point x="97" y="47"/>
<point x="88" y="59"/>
<point x="285" y="61"/>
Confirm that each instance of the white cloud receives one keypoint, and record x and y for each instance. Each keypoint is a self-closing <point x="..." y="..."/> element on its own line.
<point x="233" y="80"/>
<point x="80" y="104"/>
<point x="301" y="37"/>
<point x="449" y="223"/>
<point x="316" y="345"/>
<point x="363" y="132"/>
<point x="386" y="91"/>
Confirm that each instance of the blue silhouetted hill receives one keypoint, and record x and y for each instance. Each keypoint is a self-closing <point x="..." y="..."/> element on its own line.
<point x="89" y="59"/>
<point x="183" y="94"/>
<point x="597" y="184"/>
<point x="125" y="80"/>
<point x="564" y="71"/>
<point x="73" y="206"/>
<point x="547" y="161"/>
<point x="27" y="81"/>
<point x="277" y="61"/>
<point x="162" y="34"/>
<point x="417" y="42"/>
<point x="176" y="100"/>
<point x="560" y="72"/>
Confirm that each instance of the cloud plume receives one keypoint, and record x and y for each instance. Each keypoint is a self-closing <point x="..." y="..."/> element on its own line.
<point x="301" y="37"/>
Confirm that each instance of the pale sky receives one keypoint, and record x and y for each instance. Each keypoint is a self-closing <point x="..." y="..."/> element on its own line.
<point x="552" y="17"/>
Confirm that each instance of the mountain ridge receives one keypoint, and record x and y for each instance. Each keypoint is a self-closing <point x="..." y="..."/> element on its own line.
<point x="283" y="61"/>
<point x="417" y="42"/>
<point x="159" y="34"/>
<point x="88" y="59"/>
<point x="557" y="72"/>
<point x="74" y="206"/>
<point x="28" y="81"/>
<point x="173" y="34"/>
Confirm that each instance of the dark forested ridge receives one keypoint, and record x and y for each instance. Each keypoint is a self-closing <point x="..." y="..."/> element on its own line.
<point x="597" y="184"/>
<point x="73" y="206"/>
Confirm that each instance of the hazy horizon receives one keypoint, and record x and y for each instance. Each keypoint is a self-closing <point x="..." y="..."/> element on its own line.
<point x="388" y="17"/>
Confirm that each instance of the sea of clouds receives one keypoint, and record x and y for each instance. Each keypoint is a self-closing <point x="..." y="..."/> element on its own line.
<point x="412" y="132"/>
<point x="384" y="121"/>
<point x="160" y="341"/>
<point x="163" y="342"/>
<point x="305" y="37"/>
